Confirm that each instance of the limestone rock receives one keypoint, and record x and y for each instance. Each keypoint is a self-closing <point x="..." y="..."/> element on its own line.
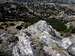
<point x="71" y="49"/>
<point x="34" y="39"/>
<point x="39" y="39"/>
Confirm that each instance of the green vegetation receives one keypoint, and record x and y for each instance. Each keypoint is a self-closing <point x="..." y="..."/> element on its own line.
<point x="67" y="32"/>
<point x="33" y="19"/>
<point x="71" y="29"/>
<point x="57" y="24"/>
<point x="30" y="21"/>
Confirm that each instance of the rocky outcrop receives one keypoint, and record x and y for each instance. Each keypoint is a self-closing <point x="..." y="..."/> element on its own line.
<point x="7" y="42"/>
<point x="41" y="39"/>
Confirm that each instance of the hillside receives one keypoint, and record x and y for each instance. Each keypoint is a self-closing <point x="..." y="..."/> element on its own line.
<point x="37" y="28"/>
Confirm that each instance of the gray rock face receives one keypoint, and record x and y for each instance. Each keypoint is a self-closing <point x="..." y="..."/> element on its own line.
<point x="23" y="48"/>
<point x="36" y="39"/>
<point x="39" y="39"/>
<point x="7" y="42"/>
<point x="72" y="49"/>
<point x="66" y="42"/>
<point x="55" y="52"/>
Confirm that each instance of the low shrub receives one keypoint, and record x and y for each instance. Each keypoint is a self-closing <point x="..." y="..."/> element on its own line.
<point x="57" y="24"/>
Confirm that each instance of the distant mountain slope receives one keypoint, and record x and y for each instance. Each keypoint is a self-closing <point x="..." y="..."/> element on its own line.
<point x="53" y="1"/>
<point x="2" y="1"/>
<point x="58" y="1"/>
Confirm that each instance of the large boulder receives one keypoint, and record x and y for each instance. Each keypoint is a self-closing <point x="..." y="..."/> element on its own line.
<point x="36" y="39"/>
<point x="39" y="39"/>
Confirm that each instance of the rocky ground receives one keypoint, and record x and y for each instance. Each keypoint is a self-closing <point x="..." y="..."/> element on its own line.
<point x="39" y="39"/>
<point x="37" y="29"/>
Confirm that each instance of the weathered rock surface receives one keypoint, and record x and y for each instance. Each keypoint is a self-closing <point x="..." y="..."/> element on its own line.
<point x="7" y="42"/>
<point x="40" y="37"/>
